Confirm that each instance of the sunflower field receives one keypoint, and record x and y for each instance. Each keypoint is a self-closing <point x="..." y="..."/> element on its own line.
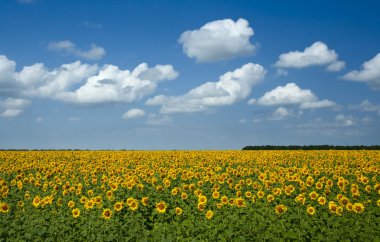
<point x="189" y="195"/>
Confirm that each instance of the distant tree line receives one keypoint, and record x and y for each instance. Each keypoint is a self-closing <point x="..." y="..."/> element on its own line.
<point x="312" y="147"/>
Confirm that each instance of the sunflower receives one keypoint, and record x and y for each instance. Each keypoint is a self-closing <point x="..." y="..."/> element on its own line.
<point x="260" y="194"/>
<point x="134" y="205"/>
<point x="219" y="205"/>
<point x="178" y="211"/>
<point x="280" y="209"/>
<point x="90" y="193"/>
<point x="270" y="198"/>
<point x="89" y="204"/>
<point x="310" y="210"/>
<point x="144" y="201"/>
<point x="215" y="195"/>
<point x="378" y="203"/>
<point x="161" y="207"/>
<point x="20" y="204"/>
<point x="358" y="207"/>
<point x="174" y="191"/>
<point x="71" y="204"/>
<point x="36" y="201"/>
<point x="313" y="195"/>
<point x="75" y="212"/>
<point x="118" y="206"/>
<point x="83" y="200"/>
<point x="202" y="199"/>
<point x="248" y="194"/>
<point x="240" y="202"/>
<point x="209" y="214"/>
<point x="224" y="199"/>
<point x="107" y="213"/>
<point x="4" y="208"/>
<point x="201" y="206"/>
<point x="322" y="200"/>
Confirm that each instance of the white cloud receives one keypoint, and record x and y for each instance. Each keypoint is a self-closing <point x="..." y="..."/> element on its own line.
<point x="114" y="85"/>
<point x="218" y="40"/>
<point x="366" y="106"/>
<point x="242" y="121"/>
<point x="369" y="74"/>
<point x="292" y="94"/>
<point x="133" y="113"/>
<point x="280" y="113"/>
<point x="318" y="104"/>
<point x="12" y="107"/>
<point x="73" y="119"/>
<point x="69" y="48"/>
<point x="281" y="72"/>
<point x="92" y="25"/>
<point x="158" y="120"/>
<point x="252" y="101"/>
<point x="80" y="83"/>
<point x="344" y="121"/>
<point x="7" y="70"/>
<point x="318" y="54"/>
<point x="232" y="87"/>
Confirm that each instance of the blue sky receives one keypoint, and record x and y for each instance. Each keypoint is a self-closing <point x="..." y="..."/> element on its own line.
<point x="188" y="74"/>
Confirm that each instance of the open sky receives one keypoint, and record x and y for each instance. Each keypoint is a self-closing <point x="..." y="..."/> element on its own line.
<point x="188" y="74"/>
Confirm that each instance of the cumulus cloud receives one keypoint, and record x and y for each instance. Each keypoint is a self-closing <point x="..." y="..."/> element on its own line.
<point x="280" y="113"/>
<point x="218" y="40"/>
<point x="292" y="94"/>
<point x="232" y="87"/>
<point x="344" y="121"/>
<point x="69" y="48"/>
<point x="318" y="54"/>
<point x="158" y="120"/>
<point x="366" y="106"/>
<point x="12" y="107"/>
<point x="369" y="74"/>
<point x="79" y="83"/>
<point x="114" y="85"/>
<point x="133" y="113"/>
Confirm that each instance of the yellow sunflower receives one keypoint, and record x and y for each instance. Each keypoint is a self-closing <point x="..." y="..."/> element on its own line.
<point x="75" y="212"/>
<point x="107" y="213"/>
<point x="161" y="207"/>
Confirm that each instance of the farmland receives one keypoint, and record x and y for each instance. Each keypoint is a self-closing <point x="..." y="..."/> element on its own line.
<point x="187" y="195"/>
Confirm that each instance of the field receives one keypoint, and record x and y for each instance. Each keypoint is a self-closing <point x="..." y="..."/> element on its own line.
<point x="189" y="195"/>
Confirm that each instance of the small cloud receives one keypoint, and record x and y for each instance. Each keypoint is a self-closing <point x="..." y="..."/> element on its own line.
<point x="73" y="119"/>
<point x="344" y="121"/>
<point x="242" y="121"/>
<point x="369" y="74"/>
<point x="92" y="25"/>
<point x="39" y="119"/>
<point x="158" y="120"/>
<point x="13" y="107"/>
<point x="133" y="113"/>
<point x="318" y="54"/>
<point x="218" y="40"/>
<point x="366" y="106"/>
<point x="280" y="113"/>
<point x="281" y="72"/>
<point x="69" y="48"/>
<point x="256" y="120"/>
<point x="251" y="101"/>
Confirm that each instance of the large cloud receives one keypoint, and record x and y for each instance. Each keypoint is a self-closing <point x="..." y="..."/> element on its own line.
<point x="69" y="48"/>
<point x="369" y="74"/>
<point x="233" y="86"/>
<point x="79" y="83"/>
<point x="114" y="85"/>
<point x="318" y="54"/>
<point x="218" y="40"/>
<point x="292" y="94"/>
